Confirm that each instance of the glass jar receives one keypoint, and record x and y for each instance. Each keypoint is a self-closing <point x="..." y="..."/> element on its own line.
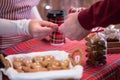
<point x="56" y="16"/>
<point x="96" y="49"/>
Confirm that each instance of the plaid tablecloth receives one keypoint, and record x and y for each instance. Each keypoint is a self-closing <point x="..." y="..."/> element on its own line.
<point x="110" y="71"/>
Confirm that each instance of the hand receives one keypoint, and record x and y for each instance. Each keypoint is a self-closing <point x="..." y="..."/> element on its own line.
<point x="72" y="29"/>
<point x="41" y="29"/>
<point x="73" y="9"/>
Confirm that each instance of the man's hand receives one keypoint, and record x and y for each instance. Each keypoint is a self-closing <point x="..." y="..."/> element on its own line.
<point x="72" y="29"/>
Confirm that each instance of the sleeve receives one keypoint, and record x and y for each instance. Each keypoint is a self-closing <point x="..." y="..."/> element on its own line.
<point x="36" y="13"/>
<point x="14" y="27"/>
<point x="102" y="13"/>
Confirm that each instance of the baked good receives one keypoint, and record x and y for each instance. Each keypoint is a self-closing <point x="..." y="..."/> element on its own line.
<point x="96" y="50"/>
<point x="39" y="63"/>
<point x="111" y="34"/>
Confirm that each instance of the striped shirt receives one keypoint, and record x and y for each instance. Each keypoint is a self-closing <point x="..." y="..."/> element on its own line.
<point x="14" y="15"/>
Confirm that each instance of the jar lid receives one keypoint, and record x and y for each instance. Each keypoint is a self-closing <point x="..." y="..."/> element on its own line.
<point x="55" y="13"/>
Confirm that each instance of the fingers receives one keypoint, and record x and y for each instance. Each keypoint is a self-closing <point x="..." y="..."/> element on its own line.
<point x="42" y="33"/>
<point x="73" y="9"/>
<point x="49" y="24"/>
<point x="47" y="29"/>
<point x="60" y="29"/>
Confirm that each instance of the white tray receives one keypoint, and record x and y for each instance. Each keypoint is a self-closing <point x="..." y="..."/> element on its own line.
<point x="74" y="72"/>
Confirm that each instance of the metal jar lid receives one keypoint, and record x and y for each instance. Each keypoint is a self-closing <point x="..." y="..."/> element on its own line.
<point x="56" y="14"/>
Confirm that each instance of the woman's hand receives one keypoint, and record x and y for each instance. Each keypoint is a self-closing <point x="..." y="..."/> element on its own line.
<point x="41" y="29"/>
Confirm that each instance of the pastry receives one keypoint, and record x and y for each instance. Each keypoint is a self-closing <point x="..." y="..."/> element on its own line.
<point x="96" y="50"/>
<point x="39" y="63"/>
<point x="17" y="65"/>
<point x="65" y="64"/>
<point x="27" y="62"/>
<point x="38" y="59"/>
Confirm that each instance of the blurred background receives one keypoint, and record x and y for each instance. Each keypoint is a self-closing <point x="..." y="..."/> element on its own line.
<point x="46" y="5"/>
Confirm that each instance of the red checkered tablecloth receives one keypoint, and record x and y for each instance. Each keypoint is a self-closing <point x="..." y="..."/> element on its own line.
<point x="110" y="71"/>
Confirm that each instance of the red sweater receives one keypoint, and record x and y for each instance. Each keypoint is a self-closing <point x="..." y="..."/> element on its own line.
<point x="102" y="13"/>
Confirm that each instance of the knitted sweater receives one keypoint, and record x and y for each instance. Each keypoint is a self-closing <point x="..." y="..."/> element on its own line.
<point x="14" y="20"/>
<point x="102" y="13"/>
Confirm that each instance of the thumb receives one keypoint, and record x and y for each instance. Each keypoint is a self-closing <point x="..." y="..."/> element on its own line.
<point x="61" y="28"/>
